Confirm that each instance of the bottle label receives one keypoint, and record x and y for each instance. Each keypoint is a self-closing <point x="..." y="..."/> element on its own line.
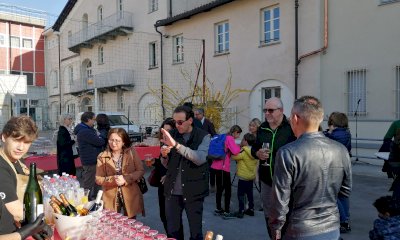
<point x="39" y="209"/>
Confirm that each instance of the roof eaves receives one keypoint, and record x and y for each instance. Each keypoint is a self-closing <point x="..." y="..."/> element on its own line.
<point x="64" y="14"/>
<point x="190" y="13"/>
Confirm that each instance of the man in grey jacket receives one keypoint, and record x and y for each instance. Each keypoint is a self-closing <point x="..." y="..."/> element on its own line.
<point x="309" y="174"/>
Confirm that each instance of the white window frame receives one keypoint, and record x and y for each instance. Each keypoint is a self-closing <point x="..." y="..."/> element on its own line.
<point x="2" y="40"/>
<point x="153" y="55"/>
<point x="89" y="70"/>
<point x="178" y="54"/>
<point x="101" y="101"/>
<point x="71" y="75"/>
<point x="153" y="5"/>
<point x="100" y="13"/>
<point x="71" y="108"/>
<point x="222" y="37"/>
<point x="19" y="41"/>
<point x="273" y="34"/>
<point x="357" y="91"/>
<point x="120" y="99"/>
<point x="28" y="39"/>
<point x="54" y="78"/>
<point x="101" y="55"/>
<point x="120" y="8"/>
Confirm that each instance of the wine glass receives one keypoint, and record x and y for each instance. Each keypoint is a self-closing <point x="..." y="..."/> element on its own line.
<point x="265" y="148"/>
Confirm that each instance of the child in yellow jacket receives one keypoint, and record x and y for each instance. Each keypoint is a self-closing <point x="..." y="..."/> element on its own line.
<point x="246" y="172"/>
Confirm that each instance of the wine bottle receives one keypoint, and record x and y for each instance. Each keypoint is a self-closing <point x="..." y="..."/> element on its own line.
<point x="33" y="199"/>
<point x="60" y="205"/>
<point x="209" y="235"/>
<point x="96" y="206"/>
<point x="71" y="209"/>
<point x="56" y="208"/>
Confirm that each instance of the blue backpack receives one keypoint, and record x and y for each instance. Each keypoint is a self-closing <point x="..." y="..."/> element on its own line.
<point x="216" y="150"/>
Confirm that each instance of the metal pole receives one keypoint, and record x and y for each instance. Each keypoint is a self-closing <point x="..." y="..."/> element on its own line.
<point x="204" y="71"/>
<point x="162" y="73"/>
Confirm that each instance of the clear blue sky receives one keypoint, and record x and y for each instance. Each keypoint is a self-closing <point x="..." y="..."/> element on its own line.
<point x="53" y="7"/>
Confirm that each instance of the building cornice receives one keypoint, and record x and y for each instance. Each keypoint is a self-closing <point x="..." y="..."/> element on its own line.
<point x="188" y="14"/>
<point x="64" y="14"/>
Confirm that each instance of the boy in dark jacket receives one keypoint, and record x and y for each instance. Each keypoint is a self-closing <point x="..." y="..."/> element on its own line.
<point x="387" y="226"/>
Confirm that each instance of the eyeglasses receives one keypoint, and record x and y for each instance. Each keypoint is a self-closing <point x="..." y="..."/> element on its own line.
<point x="270" y="110"/>
<point x="114" y="140"/>
<point x="180" y="122"/>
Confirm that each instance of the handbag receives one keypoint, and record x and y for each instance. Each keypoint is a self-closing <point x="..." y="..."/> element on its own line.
<point x="142" y="185"/>
<point x="154" y="178"/>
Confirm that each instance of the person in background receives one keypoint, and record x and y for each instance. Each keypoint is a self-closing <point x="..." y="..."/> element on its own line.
<point x="90" y="145"/>
<point x="393" y="163"/>
<point x="387" y="226"/>
<point x="103" y="126"/>
<point x="275" y="131"/>
<point x="65" y="141"/>
<point x="223" y="173"/>
<point x="186" y="182"/>
<point x="207" y="126"/>
<point x="253" y="126"/>
<point x="118" y="170"/>
<point x="17" y="137"/>
<point x="160" y="172"/>
<point x="196" y="122"/>
<point x="308" y="170"/>
<point x="246" y="172"/>
<point x="338" y="130"/>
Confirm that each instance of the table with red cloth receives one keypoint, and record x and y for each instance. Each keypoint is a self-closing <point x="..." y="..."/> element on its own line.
<point x="49" y="162"/>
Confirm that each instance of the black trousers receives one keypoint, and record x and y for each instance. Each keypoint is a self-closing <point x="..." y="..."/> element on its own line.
<point x="223" y="183"/>
<point x="212" y="175"/>
<point x="161" y="205"/>
<point x="89" y="180"/>
<point x="174" y="207"/>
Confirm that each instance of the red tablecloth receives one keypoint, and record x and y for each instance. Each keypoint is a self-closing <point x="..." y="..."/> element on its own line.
<point x="49" y="162"/>
<point x="153" y="150"/>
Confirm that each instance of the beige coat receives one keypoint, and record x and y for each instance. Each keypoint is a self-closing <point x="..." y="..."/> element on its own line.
<point x="132" y="170"/>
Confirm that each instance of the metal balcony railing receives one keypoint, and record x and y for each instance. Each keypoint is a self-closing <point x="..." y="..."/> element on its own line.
<point x="117" y="24"/>
<point x="119" y="77"/>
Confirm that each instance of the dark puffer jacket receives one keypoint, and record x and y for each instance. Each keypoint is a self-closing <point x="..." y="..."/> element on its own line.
<point x="341" y="135"/>
<point x="89" y="143"/>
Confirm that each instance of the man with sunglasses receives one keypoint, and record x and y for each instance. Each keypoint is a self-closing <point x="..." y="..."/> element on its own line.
<point x="309" y="175"/>
<point x="275" y="131"/>
<point x="186" y="182"/>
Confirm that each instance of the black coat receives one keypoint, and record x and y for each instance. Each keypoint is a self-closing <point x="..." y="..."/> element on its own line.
<point x="65" y="158"/>
<point x="208" y="126"/>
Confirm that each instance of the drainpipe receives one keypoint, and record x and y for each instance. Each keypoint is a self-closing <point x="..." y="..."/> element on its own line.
<point x="170" y="9"/>
<point x="298" y="60"/>
<point x="161" y="71"/>
<point x="59" y="68"/>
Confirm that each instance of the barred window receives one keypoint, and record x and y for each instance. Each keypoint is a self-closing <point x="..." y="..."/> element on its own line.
<point x="357" y="91"/>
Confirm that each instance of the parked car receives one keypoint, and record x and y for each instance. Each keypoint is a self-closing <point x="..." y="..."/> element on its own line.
<point x="119" y="120"/>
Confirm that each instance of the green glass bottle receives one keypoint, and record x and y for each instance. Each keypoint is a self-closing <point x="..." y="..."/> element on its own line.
<point x="33" y="200"/>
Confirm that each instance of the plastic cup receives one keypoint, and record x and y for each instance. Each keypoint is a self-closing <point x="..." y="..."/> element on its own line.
<point x="160" y="237"/>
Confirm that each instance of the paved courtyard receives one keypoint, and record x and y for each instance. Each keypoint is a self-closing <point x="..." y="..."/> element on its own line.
<point x="369" y="183"/>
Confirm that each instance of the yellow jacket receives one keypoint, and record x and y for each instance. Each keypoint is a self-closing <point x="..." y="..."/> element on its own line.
<point x="246" y="164"/>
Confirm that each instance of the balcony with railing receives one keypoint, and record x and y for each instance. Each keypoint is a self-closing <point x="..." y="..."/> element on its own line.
<point x="102" y="81"/>
<point x="119" y="24"/>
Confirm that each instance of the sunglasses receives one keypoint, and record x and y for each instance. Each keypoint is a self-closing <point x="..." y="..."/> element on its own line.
<point x="269" y="110"/>
<point x="180" y="122"/>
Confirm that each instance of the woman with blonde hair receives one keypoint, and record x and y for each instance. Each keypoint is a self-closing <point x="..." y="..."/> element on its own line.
<point x="253" y="126"/>
<point x="118" y="170"/>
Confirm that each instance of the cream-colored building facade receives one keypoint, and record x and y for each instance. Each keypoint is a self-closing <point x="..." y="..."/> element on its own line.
<point x="347" y="49"/>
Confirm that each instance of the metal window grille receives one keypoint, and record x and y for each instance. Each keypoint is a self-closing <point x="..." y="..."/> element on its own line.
<point x="397" y="91"/>
<point x="120" y="99"/>
<point x="71" y="75"/>
<point x="357" y="90"/>
<point x="153" y="5"/>
<point x="101" y="55"/>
